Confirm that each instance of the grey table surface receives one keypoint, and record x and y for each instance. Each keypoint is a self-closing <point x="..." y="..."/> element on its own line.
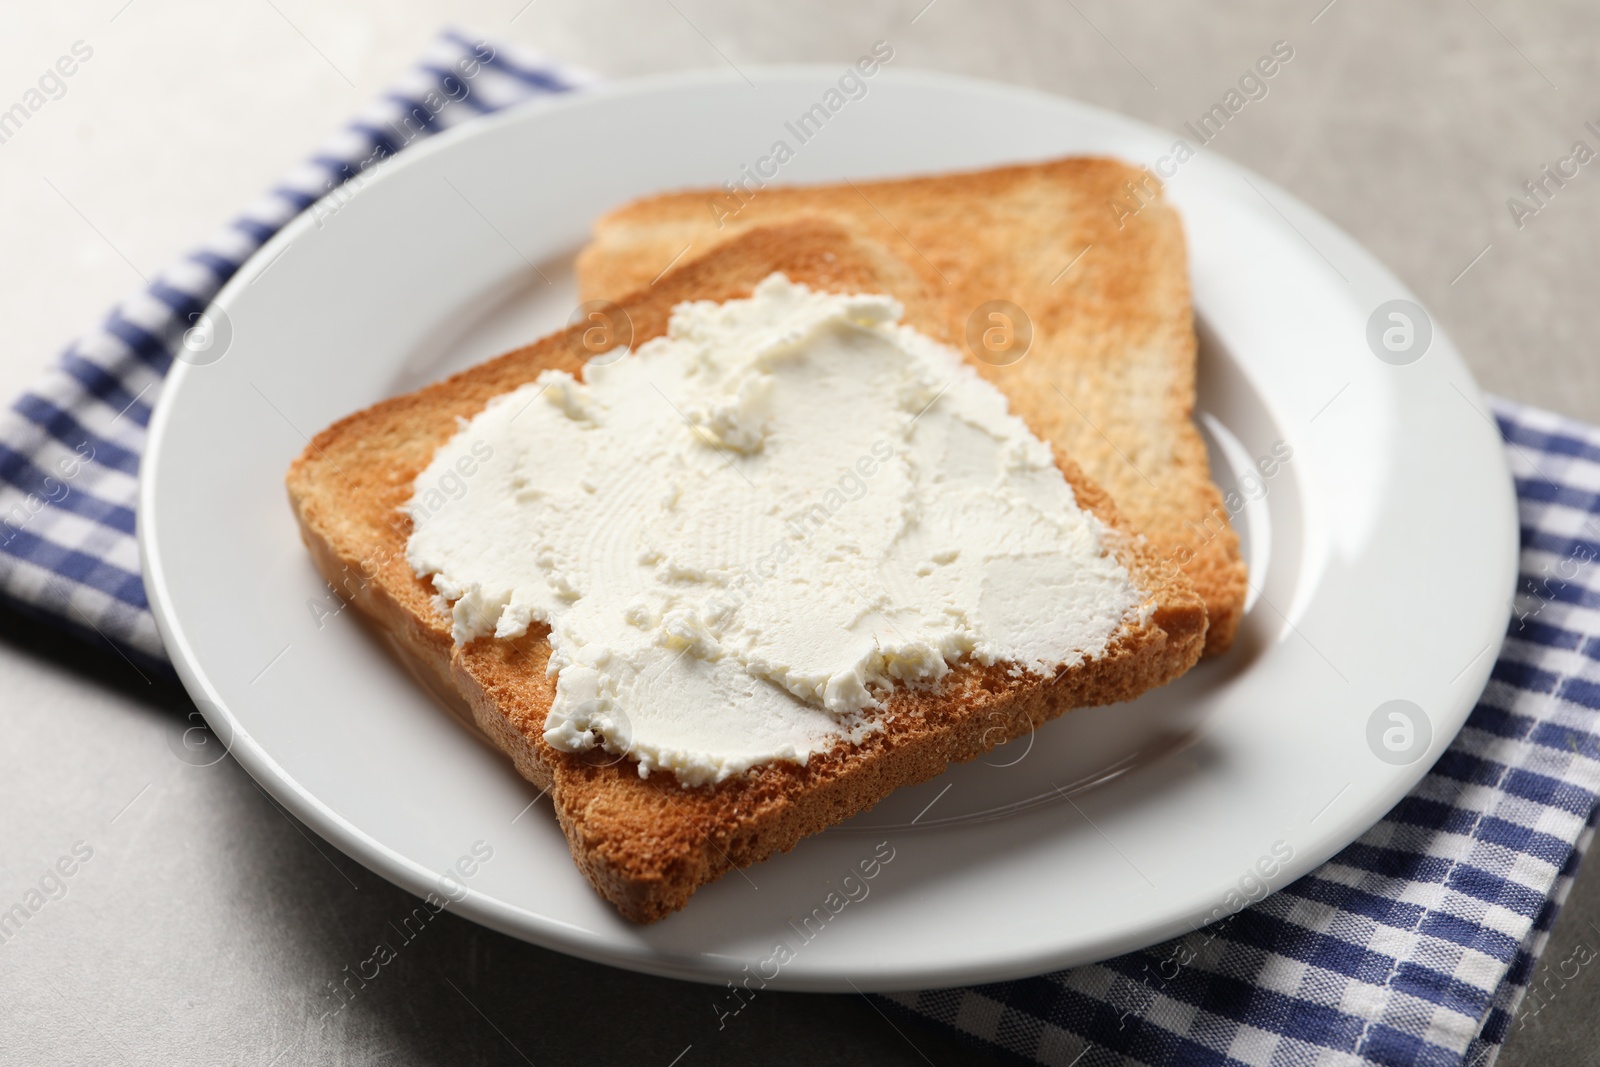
<point x="208" y="925"/>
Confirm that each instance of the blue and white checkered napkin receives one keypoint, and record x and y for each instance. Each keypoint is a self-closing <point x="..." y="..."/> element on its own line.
<point x="1415" y="945"/>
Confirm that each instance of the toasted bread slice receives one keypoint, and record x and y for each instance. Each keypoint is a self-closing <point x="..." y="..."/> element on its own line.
<point x="1110" y="376"/>
<point x="647" y="844"/>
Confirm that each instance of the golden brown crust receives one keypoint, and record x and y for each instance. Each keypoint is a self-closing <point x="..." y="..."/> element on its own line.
<point x="1114" y="334"/>
<point x="647" y="844"/>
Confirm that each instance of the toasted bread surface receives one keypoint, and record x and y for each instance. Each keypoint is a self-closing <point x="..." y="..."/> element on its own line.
<point x="647" y="844"/>
<point x="1110" y="374"/>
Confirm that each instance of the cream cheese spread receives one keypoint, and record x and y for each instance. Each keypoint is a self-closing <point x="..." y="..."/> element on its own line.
<point x="743" y="534"/>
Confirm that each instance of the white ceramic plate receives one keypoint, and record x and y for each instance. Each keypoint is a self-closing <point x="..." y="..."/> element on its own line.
<point x="1382" y="555"/>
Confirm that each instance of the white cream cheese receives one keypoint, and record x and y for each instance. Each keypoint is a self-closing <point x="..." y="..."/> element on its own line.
<point x="742" y="535"/>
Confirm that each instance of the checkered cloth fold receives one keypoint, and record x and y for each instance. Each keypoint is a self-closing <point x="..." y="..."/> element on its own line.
<point x="1415" y="945"/>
